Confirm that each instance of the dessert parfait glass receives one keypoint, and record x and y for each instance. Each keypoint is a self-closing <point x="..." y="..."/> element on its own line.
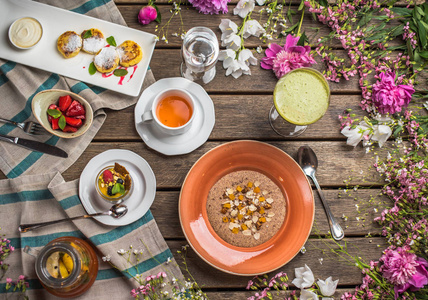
<point x="301" y="97"/>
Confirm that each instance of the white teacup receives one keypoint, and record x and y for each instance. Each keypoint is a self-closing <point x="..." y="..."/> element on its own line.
<point x="172" y="111"/>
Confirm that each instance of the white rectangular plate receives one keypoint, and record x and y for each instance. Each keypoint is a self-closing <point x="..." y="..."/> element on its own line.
<point x="56" y="21"/>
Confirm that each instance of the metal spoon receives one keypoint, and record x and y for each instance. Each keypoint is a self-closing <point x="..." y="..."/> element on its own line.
<point x="116" y="211"/>
<point x="308" y="161"/>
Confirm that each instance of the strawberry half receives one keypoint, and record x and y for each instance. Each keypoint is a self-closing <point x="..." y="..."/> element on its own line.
<point x="73" y="121"/>
<point x="64" y="102"/>
<point x="75" y="109"/>
<point x="107" y="176"/>
<point x="54" y="122"/>
<point x="52" y="106"/>
<point x="69" y="128"/>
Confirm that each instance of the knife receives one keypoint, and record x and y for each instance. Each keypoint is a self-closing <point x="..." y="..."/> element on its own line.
<point x="34" y="145"/>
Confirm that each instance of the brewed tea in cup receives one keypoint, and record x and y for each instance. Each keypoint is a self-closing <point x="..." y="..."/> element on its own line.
<point x="172" y="111"/>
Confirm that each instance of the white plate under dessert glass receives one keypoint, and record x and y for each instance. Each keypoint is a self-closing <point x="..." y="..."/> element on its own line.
<point x="143" y="186"/>
<point x="199" y="131"/>
<point x="45" y="55"/>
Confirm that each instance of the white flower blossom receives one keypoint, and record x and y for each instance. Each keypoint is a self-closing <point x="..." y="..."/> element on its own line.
<point x="121" y="252"/>
<point x="304" y="277"/>
<point x="327" y="287"/>
<point x="168" y="260"/>
<point x="308" y="295"/>
<point x="259" y="49"/>
<point x="230" y="63"/>
<point x="232" y="41"/>
<point x="252" y="27"/>
<point x="243" y="8"/>
<point x="261" y="2"/>
<point x="106" y="258"/>
<point x="355" y="135"/>
<point x="227" y="28"/>
<point x="381" y="133"/>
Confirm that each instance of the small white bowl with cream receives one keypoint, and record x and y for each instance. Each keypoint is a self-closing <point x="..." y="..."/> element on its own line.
<point x="25" y="33"/>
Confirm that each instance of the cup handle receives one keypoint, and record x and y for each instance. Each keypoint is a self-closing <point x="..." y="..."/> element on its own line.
<point x="147" y="116"/>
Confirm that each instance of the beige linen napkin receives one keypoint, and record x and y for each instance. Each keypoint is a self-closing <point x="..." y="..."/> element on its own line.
<point x="38" y="198"/>
<point x="19" y="84"/>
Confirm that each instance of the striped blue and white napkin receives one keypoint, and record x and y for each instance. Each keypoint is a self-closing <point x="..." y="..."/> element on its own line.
<point x="38" y="198"/>
<point x="19" y="84"/>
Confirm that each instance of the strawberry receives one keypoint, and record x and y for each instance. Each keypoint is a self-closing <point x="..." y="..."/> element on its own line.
<point x="69" y="128"/>
<point x="107" y="176"/>
<point x="64" y="102"/>
<point x="52" y="106"/>
<point x="73" y="121"/>
<point x="55" y="125"/>
<point x="83" y="117"/>
<point x="75" y="109"/>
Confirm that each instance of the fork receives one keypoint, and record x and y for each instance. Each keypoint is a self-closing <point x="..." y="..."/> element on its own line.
<point x="29" y="127"/>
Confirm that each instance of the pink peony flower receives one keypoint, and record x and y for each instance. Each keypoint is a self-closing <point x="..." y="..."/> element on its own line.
<point x="210" y="6"/>
<point x="404" y="269"/>
<point x="147" y="14"/>
<point x="388" y="97"/>
<point x="284" y="59"/>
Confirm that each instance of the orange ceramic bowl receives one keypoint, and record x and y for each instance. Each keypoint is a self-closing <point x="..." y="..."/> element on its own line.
<point x="281" y="169"/>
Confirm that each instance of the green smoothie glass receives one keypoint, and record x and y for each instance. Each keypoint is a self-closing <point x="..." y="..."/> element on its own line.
<point x="301" y="97"/>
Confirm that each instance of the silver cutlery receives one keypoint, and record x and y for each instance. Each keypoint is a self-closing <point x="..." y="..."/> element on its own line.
<point x="116" y="211"/>
<point x="34" y="145"/>
<point x="29" y="127"/>
<point x="308" y="161"/>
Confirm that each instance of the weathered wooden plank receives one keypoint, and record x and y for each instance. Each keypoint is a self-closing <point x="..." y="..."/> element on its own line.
<point x="165" y="212"/>
<point x="165" y="63"/>
<point x="318" y="257"/>
<point x="236" y="295"/>
<point x="337" y="162"/>
<point x="240" y="117"/>
<point x="192" y="18"/>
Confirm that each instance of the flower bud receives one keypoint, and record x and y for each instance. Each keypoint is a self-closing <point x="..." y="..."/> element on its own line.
<point x="147" y="14"/>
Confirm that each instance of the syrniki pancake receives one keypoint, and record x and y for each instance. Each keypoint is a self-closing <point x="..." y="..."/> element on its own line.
<point x="130" y="53"/>
<point x="106" y="60"/>
<point x="93" y="40"/>
<point x="69" y="44"/>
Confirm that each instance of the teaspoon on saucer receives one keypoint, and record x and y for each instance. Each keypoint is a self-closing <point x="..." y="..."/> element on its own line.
<point x="116" y="211"/>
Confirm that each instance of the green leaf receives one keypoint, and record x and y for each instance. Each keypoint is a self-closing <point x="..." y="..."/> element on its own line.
<point x="397" y="31"/>
<point x="290" y="29"/>
<point x="302" y="40"/>
<point x="422" y="35"/>
<point x="111" y="41"/>
<point x="54" y="113"/>
<point x="301" y="6"/>
<point x="92" y="69"/>
<point x="402" y="11"/>
<point x="397" y="130"/>
<point x="364" y="20"/>
<point x="158" y="14"/>
<point x="87" y="34"/>
<point x="424" y="54"/>
<point x="120" y="72"/>
<point x="420" y="10"/>
<point x="425" y="25"/>
<point x="324" y="3"/>
<point x="118" y="188"/>
<point x="61" y="122"/>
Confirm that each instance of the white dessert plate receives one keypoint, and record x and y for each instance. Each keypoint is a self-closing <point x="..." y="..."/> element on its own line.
<point x="56" y="21"/>
<point x="198" y="133"/>
<point x="143" y="185"/>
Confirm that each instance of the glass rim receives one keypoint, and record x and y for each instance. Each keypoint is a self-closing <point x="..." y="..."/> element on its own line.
<point x="318" y="74"/>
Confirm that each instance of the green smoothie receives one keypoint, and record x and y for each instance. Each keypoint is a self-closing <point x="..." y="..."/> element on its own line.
<point x="302" y="96"/>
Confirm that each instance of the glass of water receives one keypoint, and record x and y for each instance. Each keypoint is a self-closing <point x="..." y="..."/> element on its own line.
<point x="199" y="53"/>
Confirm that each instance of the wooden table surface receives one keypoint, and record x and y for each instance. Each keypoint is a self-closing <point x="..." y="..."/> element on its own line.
<point x="241" y="110"/>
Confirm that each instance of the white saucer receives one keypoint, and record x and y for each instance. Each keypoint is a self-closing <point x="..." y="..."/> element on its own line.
<point x="185" y="143"/>
<point x="143" y="182"/>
